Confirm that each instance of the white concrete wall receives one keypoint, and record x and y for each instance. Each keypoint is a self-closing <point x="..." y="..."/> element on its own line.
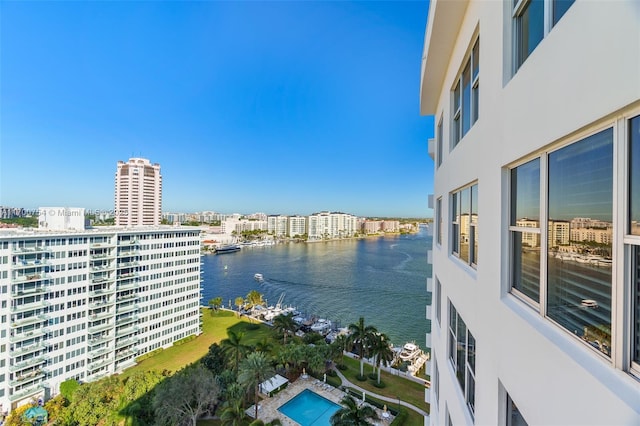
<point x="582" y="76"/>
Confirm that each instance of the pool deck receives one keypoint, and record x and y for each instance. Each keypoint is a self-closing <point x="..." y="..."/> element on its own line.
<point x="268" y="407"/>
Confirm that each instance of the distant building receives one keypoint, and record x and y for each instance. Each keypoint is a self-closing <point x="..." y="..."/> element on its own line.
<point x="296" y="225"/>
<point x="138" y="193"/>
<point x="325" y="225"/>
<point x="61" y="218"/>
<point x="84" y="304"/>
<point x="277" y="225"/>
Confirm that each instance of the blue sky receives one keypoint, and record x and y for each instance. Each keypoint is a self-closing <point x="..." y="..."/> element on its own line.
<point x="278" y="107"/>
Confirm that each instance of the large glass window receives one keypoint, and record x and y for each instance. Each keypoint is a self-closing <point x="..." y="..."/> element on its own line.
<point x="532" y="21"/>
<point x="525" y="229"/>
<point x="580" y="204"/>
<point x="439" y="221"/>
<point x="462" y="354"/>
<point x="464" y="227"/>
<point x="438" y="300"/>
<point x="466" y="93"/>
<point x="439" y="144"/>
<point x="634" y="230"/>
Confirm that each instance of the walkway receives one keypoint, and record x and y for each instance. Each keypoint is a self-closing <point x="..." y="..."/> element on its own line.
<point x="346" y="382"/>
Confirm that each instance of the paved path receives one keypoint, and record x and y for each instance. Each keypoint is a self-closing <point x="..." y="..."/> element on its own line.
<point x="346" y="382"/>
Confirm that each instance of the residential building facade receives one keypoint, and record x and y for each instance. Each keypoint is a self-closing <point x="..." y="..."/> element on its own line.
<point x="296" y="226"/>
<point x="84" y="304"/>
<point x="536" y="259"/>
<point x="138" y="193"/>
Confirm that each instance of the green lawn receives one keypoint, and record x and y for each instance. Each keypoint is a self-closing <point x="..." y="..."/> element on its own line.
<point x="214" y="329"/>
<point x="395" y="386"/>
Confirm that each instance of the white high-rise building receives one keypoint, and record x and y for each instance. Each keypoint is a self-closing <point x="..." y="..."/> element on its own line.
<point x="84" y="304"/>
<point x="537" y="124"/>
<point x="296" y="226"/>
<point x="277" y="225"/>
<point x="138" y="193"/>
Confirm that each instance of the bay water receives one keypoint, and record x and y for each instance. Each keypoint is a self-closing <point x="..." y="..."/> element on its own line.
<point x="382" y="279"/>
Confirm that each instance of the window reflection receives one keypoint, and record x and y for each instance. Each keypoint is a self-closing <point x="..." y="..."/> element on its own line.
<point x="579" y="238"/>
<point x="514" y="417"/>
<point x="530" y="27"/>
<point x="636" y="301"/>
<point x="525" y="213"/>
<point x="634" y="175"/>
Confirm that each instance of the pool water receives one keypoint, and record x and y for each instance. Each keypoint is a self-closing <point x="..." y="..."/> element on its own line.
<point x="309" y="409"/>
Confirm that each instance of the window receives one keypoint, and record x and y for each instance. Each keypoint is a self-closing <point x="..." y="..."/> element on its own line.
<point x="439" y="143"/>
<point x="634" y="231"/>
<point x="464" y="224"/>
<point x="532" y="23"/>
<point x="466" y="95"/>
<point x="439" y="221"/>
<point x="438" y="300"/>
<point x="525" y="229"/>
<point x="436" y="380"/>
<point x="576" y="232"/>
<point x="514" y="417"/>
<point x="462" y="354"/>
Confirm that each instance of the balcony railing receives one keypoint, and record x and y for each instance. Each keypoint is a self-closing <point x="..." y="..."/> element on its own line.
<point x="33" y="319"/>
<point x="100" y="340"/>
<point x="27" y="377"/>
<point x="32" y="263"/>
<point x="29" y="306"/>
<point x="126" y="353"/>
<point x="30" y="249"/>
<point x="99" y="328"/>
<point x="32" y="334"/>
<point x="25" y="292"/>
<point x="126" y="331"/>
<point x="95" y="365"/>
<point x="31" y="362"/>
<point x="98" y="352"/>
<point x="126" y="320"/>
<point x="23" y="350"/>
<point x="121" y="343"/>
<point x="25" y="393"/>
<point x="26" y="278"/>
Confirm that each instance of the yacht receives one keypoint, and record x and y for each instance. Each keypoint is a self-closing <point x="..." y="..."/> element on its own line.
<point x="228" y="249"/>
<point x="258" y="277"/>
<point x="409" y="352"/>
<point x="322" y="326"/>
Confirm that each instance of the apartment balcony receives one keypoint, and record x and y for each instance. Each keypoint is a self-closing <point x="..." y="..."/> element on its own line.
<point x="30" y="249"/>
<point x="102" y="279"/>
<point x="102" y="291"/>
<point x="128" y="252"/>
<point x="25" y="378"/>
<point x="126" y="331"/>
<point x="101" y="245"/>
<point x="127" y="308"/>
<point x="25" y="307"/>
<point x="27" y="278"/>
<point x="33" y="319"/>
<point x="98" y="364"/>
<point x="128" y="242"/>
<point x="27" y="349"/>
<point x="102" y="303"/>
<point x="126" y="297"/>
<point x="98" y="352"/>
<point x="126" y="353"/>
<point x="32" y="334"/>
<point x="97" y="375"/>
<point x="122" y="343"/>
<point x="128" y="264"/>
<point x="128" y="285"/>
<point x="101" y="315"/>
<point x="25" y="393"/>
<point x="126" y="320"/>
<point x="19" y="290"/>
<point x="101" y="327"/>
<point x="35" y="361"/>
<point x="123" y="365"/>
<point x="99" y="340"/>
<point x="127" y="275"/>
<point x="102" y="267"/>
<point x="101" y="255"/>
<point x="31" y="263"/>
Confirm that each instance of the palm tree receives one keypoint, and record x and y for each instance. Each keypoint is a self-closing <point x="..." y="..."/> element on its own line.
<point x="239" y="302"/>
<point x="255" y="298"/>
<point x="284" y="324"/>
<point x="352" y="415"/>
<point x="263" y="345"/>
<point x="360" y="337"/>
<point x="234" y="347"/>
<point x="255" y="369"/>
<point x="382" y="351"/>
<point x="234" y="414"/>
<point x="215" y="303"/>
<point x="337" y="348"/>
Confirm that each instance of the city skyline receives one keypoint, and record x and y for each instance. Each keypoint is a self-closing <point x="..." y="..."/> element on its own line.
<point x="286" y="108"/>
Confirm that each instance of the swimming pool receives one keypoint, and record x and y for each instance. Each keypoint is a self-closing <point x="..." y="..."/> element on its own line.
<point x="309" y="409"/>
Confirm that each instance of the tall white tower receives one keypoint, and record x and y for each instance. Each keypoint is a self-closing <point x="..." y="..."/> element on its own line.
<point x="138" y="195"/>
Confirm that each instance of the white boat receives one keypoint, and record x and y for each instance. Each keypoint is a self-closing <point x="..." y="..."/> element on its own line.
<point x="322" y="326"/>
<point x="589" y="303"/>
<point x="409" y="352"/>
<point x="258" y="277"/>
